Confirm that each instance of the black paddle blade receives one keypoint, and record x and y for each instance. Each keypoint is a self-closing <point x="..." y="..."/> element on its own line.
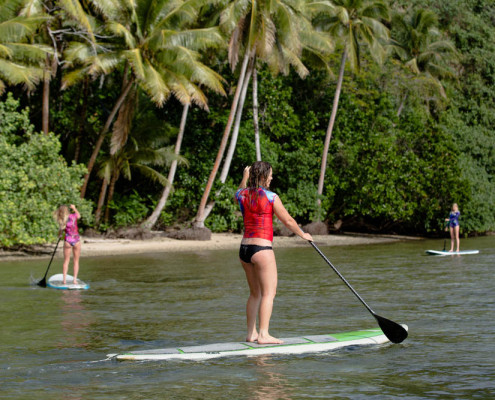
<point x="42" y="283"/>
<point x="393" y="331"/>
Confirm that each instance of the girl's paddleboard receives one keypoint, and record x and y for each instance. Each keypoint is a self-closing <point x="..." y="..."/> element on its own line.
<point x="56" y="282"/>
<point x="295" y="345"/>
<point x="451" y="253"/>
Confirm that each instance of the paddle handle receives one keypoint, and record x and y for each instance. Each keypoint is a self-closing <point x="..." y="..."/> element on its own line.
<point x="343" y="279"/>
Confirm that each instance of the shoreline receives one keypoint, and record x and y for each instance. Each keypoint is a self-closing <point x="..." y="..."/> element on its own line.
<point x="96" y="247"/>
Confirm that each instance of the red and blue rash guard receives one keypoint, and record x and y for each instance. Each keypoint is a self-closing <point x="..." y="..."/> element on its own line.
<point x="257" y="210"/>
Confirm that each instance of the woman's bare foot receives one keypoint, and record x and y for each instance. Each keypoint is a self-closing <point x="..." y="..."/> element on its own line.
<point x="252" y="338"/>
<point x="269" y="340"/>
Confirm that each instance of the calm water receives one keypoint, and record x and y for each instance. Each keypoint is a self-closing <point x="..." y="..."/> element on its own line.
<point x="53" y="344"/>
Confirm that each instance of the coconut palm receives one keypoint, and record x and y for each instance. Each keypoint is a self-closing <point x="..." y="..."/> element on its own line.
<point x="355" y="23"/>
<point x="151" y="221"/>
<point x="275" y="33"/>
<point x="419" y="45"/>
<point x="144" y="150"/>
<point x="158" y="51"/>
<point x="20" y="61"/>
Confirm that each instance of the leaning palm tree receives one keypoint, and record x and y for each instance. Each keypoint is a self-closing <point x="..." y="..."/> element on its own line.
<point x="158" y="51"/>
<point x="153" y="218"/>
<point x="418" y="44"/>
<point x="354" y="22"/>
<point x="21" y="62"/>
<point x="145" y="149"/>
<point x="271" y="32"/>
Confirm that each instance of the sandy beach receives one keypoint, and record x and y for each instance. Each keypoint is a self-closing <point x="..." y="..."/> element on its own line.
<point x="106" y="247"/>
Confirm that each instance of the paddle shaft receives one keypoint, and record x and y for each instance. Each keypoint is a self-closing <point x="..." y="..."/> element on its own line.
<point x="43" y="281"/>
<point x="393" y="331"/>
<point x="341" y="277"/>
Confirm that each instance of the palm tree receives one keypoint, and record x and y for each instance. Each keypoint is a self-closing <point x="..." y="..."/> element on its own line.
<point x="151" y="221"/>
<point x="418" y="44"/>
<point x="20" y="61"/>
<point x="354" y="22"/>
<point x="145" y="148"/>
<point x="158" y="52"/>
<point x="274" y="32"/>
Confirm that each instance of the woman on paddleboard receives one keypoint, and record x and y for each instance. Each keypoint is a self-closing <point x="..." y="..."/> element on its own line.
<point x="454" y="226"/>
<point x="258" y="204"/>
<point x="67" y="223"/>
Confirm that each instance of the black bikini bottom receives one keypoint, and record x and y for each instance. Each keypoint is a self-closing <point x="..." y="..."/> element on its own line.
<point x="249" y="250"/>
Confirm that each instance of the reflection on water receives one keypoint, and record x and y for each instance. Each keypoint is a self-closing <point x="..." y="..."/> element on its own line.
<point x="269" y="384"/>
<point x="75" y="320"/>
<point x="52" y="342"/>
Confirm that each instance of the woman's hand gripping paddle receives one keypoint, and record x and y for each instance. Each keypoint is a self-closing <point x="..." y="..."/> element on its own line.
<point x="393" y="331"/>
<point x="42" y="282"/>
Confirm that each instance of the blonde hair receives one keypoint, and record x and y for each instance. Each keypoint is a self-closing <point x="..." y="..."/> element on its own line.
<point x="61" y="215"/>
<point x="455" y="206"/>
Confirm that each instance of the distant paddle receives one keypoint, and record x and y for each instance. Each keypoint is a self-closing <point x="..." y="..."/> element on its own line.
<point x="42" y="282"/>
<point x="393" y="331"/>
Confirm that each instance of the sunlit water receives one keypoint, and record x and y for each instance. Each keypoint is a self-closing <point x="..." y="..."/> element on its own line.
<point x="53" y="344"/>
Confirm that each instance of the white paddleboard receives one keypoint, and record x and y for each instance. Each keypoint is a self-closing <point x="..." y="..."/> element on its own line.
<point x="56" y="282"/>
<point x="451" y="253"/>
<point x="295" y="345"/>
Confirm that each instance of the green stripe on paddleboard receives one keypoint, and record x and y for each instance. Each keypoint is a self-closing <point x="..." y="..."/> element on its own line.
<point x="342" y="337"/>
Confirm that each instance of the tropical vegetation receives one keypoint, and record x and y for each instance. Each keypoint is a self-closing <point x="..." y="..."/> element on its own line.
<point x="376" y="115"/>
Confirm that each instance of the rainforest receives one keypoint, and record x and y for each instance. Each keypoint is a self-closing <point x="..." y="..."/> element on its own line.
<point x="376" y="116"/>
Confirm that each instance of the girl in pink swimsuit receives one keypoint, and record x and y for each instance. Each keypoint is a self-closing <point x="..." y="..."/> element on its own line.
<point x="258" y="204"/>
<point x="67" y="223"/>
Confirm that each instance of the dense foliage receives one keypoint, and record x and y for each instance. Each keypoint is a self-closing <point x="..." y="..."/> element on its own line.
<point x="411" y="136"/>
<point x="34" y="180"/>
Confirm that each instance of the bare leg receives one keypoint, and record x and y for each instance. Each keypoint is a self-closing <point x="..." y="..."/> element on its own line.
<point x="456" y="233"/>
<point x="253" y="302"/>
<point x="451" y="239"/>
<point x="76" y="250"/>
<point x="266" y="271"/>
<point x="65" y="266"/>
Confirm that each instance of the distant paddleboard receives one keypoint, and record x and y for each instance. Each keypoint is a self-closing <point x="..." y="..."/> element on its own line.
<point x="295" y="345"/>
<point x="451" y="253"/>
<point x="56" y="282"/>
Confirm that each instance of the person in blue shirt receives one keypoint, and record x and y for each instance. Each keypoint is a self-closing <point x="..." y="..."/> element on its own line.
<point x="454" y="226"/>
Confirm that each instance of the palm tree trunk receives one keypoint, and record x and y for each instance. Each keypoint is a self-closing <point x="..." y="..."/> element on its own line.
<point x="328" y="135"/>
<point x="111" y="191"/>
<point x="101" y="201"/>
<point x="255" y="116"/>
<point x="199" y="220"/>
<point x="151" y="221"/>
<point x="233" y="141"/>
<point x="82" y="122"/>
<point x="103" y="132"/>
<point x="45" y="111"/>
<point x="237" y="125"/>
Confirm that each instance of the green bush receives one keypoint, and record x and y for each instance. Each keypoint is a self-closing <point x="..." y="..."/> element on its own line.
<point x="34" y="180"/>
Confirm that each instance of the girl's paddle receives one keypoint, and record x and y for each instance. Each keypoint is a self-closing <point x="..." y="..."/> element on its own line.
<point x="42" y="282"/>
<point x="393" y="331"/>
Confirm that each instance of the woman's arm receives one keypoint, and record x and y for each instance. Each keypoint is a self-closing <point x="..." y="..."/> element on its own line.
<point x="245" y="177"/>
<point x="73" y="207"/>
<point x="284" y="217"/>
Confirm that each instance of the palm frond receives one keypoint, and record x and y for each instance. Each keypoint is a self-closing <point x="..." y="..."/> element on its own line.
<point x="17" y="29"/>
<point x="74" y="10"/>
<point x="120" y="30"/>
<point x="151" y="174"/>
<point x="153" y="83"/>
<point x="15" y="74"/>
